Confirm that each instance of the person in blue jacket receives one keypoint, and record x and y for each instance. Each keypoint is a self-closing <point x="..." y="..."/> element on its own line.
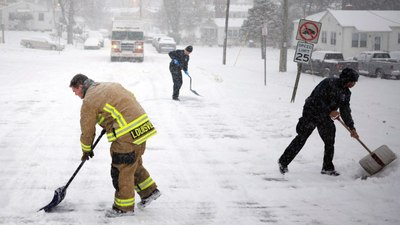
<point x="319" y="111"/>
<point x="179" y="61"/>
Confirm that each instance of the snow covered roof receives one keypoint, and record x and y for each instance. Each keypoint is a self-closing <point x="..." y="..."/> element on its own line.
<point x="362" y="20"/>
<point x="367" y="20"/>
<point x="232" y="22"/>
<point x="240" y="8"/>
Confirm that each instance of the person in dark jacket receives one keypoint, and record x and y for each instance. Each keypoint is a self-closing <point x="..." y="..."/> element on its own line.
<point x="179" y="61"/>
<point x="319" y="111"/>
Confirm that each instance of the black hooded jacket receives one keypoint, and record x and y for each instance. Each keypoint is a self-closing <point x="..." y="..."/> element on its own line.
<point x="329" y="95"/>
<point x="182" y="58"/>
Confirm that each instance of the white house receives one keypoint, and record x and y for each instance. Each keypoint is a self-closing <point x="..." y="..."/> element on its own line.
<point x="27" y="16"/>
<point x="212" y="30"/>
<point x="354" y="31"/>
<point x="234" y="26"/>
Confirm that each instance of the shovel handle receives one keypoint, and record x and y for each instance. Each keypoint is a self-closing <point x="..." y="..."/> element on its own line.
<point x="373" y="155"/>
<point x="358" y="139"/>
<point x="83" y="162"/>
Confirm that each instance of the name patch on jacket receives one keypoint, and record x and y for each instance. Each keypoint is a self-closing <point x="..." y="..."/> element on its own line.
<point x="143" y="132"/>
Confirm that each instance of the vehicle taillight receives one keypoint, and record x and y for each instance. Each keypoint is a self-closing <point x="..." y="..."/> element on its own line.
<point x="116" y="46"/>
<point x="138" y="47"/>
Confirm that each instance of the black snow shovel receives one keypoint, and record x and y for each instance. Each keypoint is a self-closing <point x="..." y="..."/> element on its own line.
<point x="376" y="160"/>
<point x="195" y="92"/>
<point x="59" y="193"/>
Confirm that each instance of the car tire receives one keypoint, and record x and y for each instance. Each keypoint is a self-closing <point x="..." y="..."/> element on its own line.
<point x="379" y="73"/>
<point x="28" y="45"/>
<point x="326" y="72"/>
<point x="53" y="47"/>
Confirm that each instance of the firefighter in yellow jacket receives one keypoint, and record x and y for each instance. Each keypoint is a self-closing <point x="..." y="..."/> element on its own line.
<point x="127" y="126"/>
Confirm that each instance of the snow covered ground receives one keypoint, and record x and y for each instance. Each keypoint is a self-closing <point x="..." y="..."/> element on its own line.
<point x="215" y="156"/>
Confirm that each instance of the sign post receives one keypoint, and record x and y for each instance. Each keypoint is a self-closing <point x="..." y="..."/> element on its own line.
<point x="264" y="32"/>
<point x="307" y="34"/>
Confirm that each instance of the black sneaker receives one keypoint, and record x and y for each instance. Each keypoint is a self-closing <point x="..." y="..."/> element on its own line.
<point x="175" y="98"/>
<point x="146" y="201"/>
<point x="330" y="172"/>
<point x="283" y="169"/>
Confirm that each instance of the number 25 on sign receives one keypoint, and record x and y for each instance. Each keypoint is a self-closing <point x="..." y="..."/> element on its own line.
<point x="303" y="52"/>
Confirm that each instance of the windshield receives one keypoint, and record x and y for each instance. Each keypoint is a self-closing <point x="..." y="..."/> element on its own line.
<point x="334" y="56"/>
<point x="127" y="35"/>
<point x="381" y="55"/>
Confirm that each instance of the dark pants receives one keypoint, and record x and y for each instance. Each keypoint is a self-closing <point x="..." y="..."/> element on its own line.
<point x="177" y="79"/>
<point x="305" y="126"/>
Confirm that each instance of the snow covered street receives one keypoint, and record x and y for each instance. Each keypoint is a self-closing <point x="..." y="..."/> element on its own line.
<point x="215" y="155"/>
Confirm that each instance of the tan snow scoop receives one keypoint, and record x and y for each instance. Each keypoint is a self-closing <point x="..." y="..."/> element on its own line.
<point x="375" y="160"/>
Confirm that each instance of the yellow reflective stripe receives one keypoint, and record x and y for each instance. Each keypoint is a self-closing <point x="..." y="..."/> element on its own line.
<point x="125" y="129"/>
<point x="115" y="114"/>
<point x="124" y="202"/>
<point x="100" y="119"/>
<point x="86" y="148"/>
<point x="145" y="137"/>
<point x="145" y="184"/>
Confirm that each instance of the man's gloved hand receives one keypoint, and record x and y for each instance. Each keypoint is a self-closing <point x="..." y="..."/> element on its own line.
<point x="186" y="72"/>
<point x="354" y="134"/>
<point x="176" y="62"/>
<point x="87" y="155"/>
<point x="334" y="114"/>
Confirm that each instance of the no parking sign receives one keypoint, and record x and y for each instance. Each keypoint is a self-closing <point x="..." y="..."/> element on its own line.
<point x="308" y="31"/>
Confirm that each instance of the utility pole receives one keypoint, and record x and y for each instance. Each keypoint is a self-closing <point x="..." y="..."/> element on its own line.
<point x="2" y="34"/>
<point x="283" y="55"/>
<point x="226" y="32"/>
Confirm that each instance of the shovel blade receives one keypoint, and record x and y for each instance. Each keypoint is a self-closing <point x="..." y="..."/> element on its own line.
<point x="195" y="92"/>
<point x="59" y="195"/>
<point x="372" y="163"/>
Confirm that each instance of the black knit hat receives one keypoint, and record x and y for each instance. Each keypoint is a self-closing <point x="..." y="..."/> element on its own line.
<point x="348" y="75"/>
<point x="189" y="48"/>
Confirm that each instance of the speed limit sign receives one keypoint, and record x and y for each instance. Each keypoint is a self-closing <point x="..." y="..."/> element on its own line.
<point x="303" y="52"/>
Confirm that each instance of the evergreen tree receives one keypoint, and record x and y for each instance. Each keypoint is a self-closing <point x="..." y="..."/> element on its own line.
<point x="182" y="16"/>
<point x="263" y="12"/>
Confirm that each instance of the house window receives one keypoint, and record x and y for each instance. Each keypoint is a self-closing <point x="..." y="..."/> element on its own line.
<point x="377" y="45"/>
<point x="363" y="40"/>
<point x="354" y="40"/>
<point x="323" y="37"/>
<point x="41" y="16"/>
<point x="333" y="38"/>
<point x="359" y="40"/>
<point x="233" y="33"/>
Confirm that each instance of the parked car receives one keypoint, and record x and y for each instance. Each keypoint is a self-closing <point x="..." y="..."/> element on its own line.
<point x="42" y="42"/>
<point x="156" y="37"/>
<point x="395" y="55"/>
<point x="98" y="35"/>
<point x="166" y="44"/>
<point x="328" y="64"/>
<point x="378" y="64"/>
<point x="92" y="43"/>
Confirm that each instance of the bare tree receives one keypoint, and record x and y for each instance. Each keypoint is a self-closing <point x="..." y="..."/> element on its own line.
<point x="67" y="12"/>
